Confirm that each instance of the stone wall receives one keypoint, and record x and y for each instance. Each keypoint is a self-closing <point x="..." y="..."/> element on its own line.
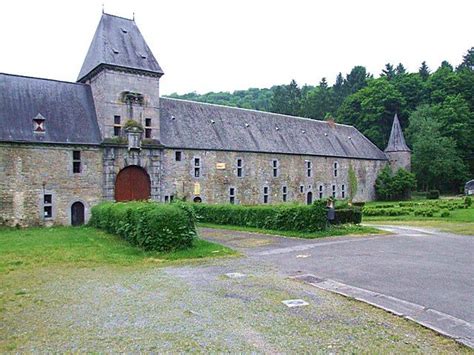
<point x="107" y="87"/>
<point x="29" y="171"/>
<point x="399" y="160"/>
<point x="219" y="174"/>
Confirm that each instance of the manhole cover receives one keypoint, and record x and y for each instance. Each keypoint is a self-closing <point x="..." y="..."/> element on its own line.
<point x="295" y="303"/>
<point x="235" y="275"/>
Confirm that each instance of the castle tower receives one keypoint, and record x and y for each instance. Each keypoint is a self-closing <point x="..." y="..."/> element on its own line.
<point x="397" y="151"/>
<point x="124" y="78"/>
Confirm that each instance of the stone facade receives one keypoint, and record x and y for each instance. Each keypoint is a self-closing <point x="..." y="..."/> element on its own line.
<point x="218" y="174"/>
<point x="28" y="172"/>
<point x="108" y="89"/>
<point x="399" y="160"/>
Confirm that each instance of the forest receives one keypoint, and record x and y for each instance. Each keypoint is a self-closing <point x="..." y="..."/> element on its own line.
<point x="435" y="108"/>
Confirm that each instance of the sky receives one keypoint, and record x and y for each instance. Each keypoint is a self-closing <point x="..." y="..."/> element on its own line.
<point x="227" y="45"/>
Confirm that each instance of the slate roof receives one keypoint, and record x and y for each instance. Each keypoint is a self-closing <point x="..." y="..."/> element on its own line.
<point x="118" y="43"/>
<point x="193" y="125"/>
<point x="396" y="142"/>
<point x="68" y="109"/>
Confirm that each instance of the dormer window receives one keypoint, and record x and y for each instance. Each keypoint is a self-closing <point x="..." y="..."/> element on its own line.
<point x="38" y="124"/>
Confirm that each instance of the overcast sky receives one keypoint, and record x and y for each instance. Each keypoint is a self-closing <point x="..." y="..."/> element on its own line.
<point x="218" y="45"/>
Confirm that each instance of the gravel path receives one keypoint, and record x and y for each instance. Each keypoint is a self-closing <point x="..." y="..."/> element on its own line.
<point x="195" y="308"/>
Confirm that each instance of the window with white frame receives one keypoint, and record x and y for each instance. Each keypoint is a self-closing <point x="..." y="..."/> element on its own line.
<point x="265" y="194"/>
<point x="309" y="168"/>
<point x="275" y="167"/>
<point x="47" y="206"/>
<point x="240" y="167"/>
<point x="197" y="167"/>
<point x="232" y="195"/>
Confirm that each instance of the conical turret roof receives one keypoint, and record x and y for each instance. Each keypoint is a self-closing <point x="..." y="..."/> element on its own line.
<point x="397" y="143"/>
<point x="118" y="43"/>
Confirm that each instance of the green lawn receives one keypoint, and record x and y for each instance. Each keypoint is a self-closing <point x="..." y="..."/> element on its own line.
<point x="86" y="246"/>
<point x="460" y="221"/>
<point x="347" y="229"/>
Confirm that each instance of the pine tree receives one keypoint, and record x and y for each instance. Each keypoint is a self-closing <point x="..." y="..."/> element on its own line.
<point x="388" y="72"/>
<point x="400" y="69"/>
<point x="468" y="60"/>
<point x="424" y="71"/>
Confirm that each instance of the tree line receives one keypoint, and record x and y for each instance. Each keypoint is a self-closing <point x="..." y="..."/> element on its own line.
<point x="435" y="108"/>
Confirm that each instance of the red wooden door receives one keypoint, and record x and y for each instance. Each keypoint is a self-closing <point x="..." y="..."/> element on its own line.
<point x="132" y="183"/>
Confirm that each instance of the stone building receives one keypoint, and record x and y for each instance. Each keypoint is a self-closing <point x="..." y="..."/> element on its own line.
<point x="110" y="136"/>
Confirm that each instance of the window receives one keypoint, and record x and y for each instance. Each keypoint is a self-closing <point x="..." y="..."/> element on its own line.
<point x="76" y="161"/>
<point x="147" y="127"/>
<point x="171" y="198"/>
<point x="48" y="206"/>
<point x="167" y="198"/>
<point x="38" y="124"/>
<point x="320" y="191"/>
<point x="117" y="126"/>
<point x="301" y="188"/>
<point x="275" y="167"/>
<point x="284" y="191"/>
<point x="336" y="165"/>
<point x="343" y="191"/>
<point x="309" y="169"/>
<point x="232" y="195"/>
<point x="334" y="191"/>
<point x="178" y="156"/>
<point x="197" y="167"/>
<point x="240" y="169"/>
<point x="265" y="194"/>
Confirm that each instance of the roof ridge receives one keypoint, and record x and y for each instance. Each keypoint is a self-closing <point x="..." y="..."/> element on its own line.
<point x="253" y="110"/>
<point x="46" y="79"/>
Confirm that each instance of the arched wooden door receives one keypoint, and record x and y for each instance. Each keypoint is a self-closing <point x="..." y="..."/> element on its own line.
<point x="309" y="198"/>
<point x="132" y="183"/>
<point x="77" y="213"/>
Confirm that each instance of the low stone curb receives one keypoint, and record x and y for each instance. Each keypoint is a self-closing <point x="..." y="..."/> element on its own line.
<point x="443" y="323"/>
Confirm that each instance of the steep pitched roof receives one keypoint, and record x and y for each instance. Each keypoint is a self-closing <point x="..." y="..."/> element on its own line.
<point x="193" y="125"/>
<point x="118" y="43"/>
<point x="68" y="111"/>
<point x="396" y="143"/>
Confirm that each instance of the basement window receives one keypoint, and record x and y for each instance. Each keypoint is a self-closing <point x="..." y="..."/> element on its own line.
<point x="76" y="161"/>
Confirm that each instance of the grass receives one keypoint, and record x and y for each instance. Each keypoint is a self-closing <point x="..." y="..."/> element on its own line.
<point x="86" y="246"/>
<point x="460" y="221"/>
<point x="347" y="229"/>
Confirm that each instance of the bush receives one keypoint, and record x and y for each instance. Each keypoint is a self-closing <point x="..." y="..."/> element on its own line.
<point x="432" y="195"/>
<point x="358" y="204"/>
<point x="347" y="215"/>
<point x="468" y="201"/>
<point x="276" y="217"/>
<point x="445" y="214"/>
<point x="398" y="186"/>
<point x="148" y="225"/>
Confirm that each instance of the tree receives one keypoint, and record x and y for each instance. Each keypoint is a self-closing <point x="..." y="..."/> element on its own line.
<point x="388" y="72"/>
<point x="372" y="108"/>
<point x="318" y="102"/>
<point x="287" y="99"/>
<point x="435" y="160"/>
<point x="398" y="186"/>
<point x="467" y="60"/>
<point x="400" y="69"/>
<point x="356" y="79"/>
<point x="424" y="71"/>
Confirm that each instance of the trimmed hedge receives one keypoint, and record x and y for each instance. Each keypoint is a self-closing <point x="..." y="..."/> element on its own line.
<point x="276" y="217"/>
<point x="347" y="215"/>
<point x="432" y="195"/>
<point x="148" y="225"/>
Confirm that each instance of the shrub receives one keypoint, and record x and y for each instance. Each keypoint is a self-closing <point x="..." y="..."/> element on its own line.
<point x="148" y="225"/>
<point x="445" y="214"/>
<point x="347" y="215"/>
<point x="358" y="204"/>
<point x="468" y="201"/>
<point x="432" y="195"/>
<point x="277" y="217"/>
<point x="398" y="186"/>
